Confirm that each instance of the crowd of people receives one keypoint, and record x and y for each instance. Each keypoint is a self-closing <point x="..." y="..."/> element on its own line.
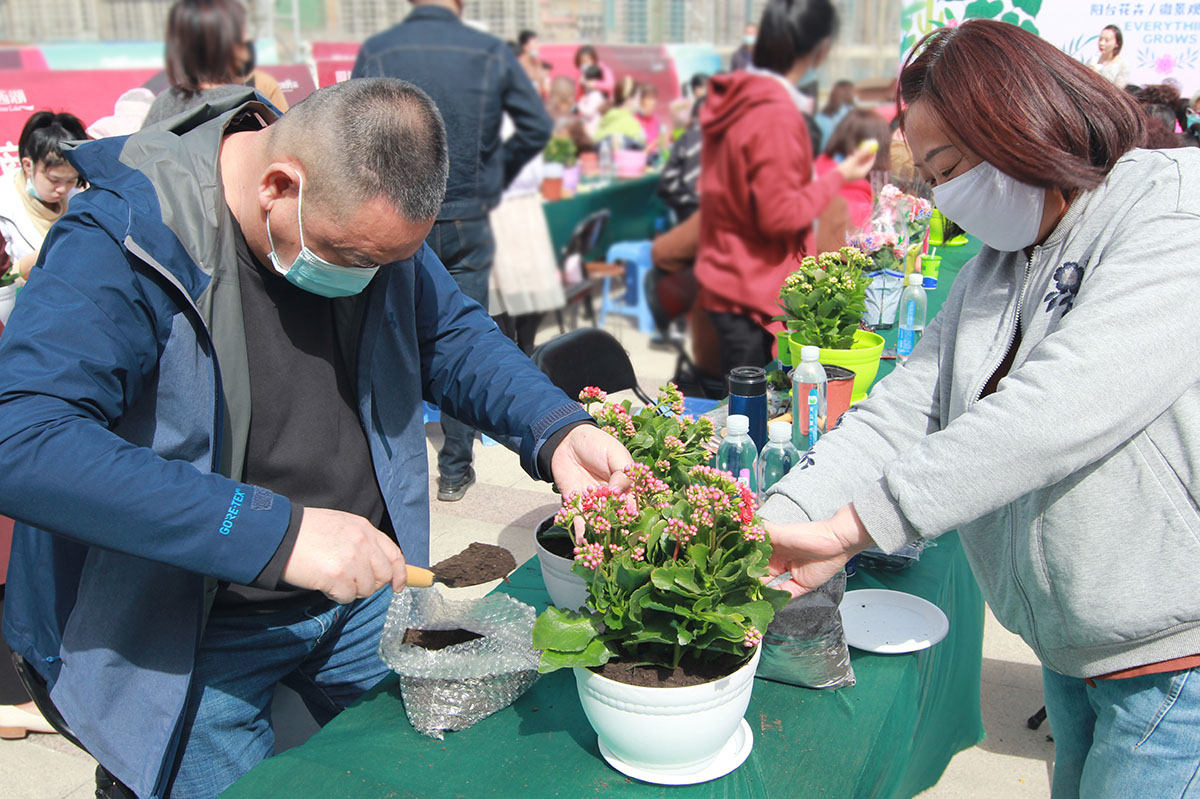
<point x="263" y="376"/>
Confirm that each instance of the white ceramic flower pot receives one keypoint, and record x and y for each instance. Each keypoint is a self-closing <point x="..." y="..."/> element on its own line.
<point x="668" y="734"/>
<point x="567" y="590"/>
<point x="8" y="298"/>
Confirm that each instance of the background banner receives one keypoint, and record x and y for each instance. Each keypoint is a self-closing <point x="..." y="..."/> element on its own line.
<point x="1162" y="39"/>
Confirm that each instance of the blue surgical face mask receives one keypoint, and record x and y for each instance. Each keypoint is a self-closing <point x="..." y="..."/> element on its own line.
<point x="314" y="274"/>
<point x="807" y="77"/>
<point x="30" y="189"/>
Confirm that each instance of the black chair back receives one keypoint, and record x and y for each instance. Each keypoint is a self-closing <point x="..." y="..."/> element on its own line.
<point x="586" y="357"/>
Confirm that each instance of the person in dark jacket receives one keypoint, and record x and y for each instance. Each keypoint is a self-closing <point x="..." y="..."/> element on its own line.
<point x="215" y="450"/>
<point x="475" y="80"/>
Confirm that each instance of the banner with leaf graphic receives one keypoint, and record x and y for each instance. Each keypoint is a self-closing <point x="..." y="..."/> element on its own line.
<point x="1162" y="39"/>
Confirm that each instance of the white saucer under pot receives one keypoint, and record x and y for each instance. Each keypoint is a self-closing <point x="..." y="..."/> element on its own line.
<point x="672" y="736"/>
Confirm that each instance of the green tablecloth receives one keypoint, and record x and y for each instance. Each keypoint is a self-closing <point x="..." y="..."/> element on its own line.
<point x="634" y="206"/>
<point x="891" y="735"/>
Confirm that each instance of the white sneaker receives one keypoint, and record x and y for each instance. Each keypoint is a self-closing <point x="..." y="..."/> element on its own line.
<point x="16" y="722"/>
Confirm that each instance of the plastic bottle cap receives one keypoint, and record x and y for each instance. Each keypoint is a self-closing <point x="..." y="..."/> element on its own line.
<point x="810" y="353"/>
<point x="915" y="279"/>
<point x="737" y="424"/>
<point x="748" y="381"/>
<point x="929" y="283"/>
<point x="779" y="431"/>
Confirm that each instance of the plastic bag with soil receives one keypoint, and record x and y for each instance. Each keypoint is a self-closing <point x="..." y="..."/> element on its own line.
<point x="457" y="684"/>
<point x="805" y="644"/>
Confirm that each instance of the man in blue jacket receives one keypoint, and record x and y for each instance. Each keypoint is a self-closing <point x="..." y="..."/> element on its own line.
<point x="214" y="445"/>
<point x="475" y="80"/>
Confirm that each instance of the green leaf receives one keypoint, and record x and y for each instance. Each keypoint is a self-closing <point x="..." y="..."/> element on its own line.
<point x="630" y="577"/>
<point x="596" y="654"/>
<point x="564" y="630"/>
<point x="986" y="9"/>
<point x="1011" y="18"/>
<point x="1030" y="26"/>
<point x="1030" y="7"/>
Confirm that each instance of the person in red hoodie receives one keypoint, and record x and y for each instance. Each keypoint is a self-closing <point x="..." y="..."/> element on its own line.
<point x="758" y="199"/>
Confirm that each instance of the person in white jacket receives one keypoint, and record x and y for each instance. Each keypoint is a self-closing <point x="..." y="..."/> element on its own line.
<point x="35" y="195"/>
<point x="1051" y="411"/>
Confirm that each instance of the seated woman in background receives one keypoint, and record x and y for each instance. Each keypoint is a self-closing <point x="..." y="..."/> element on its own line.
<point x="620" y="125"/>
<point x="645" y="112"/>
<point x="209" y="55"/>
<point x="35" y="195"/>
<point x="850" y="210"/>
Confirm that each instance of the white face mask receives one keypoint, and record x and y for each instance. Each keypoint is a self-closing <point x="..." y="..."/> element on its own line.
<point x="999" y="210"/>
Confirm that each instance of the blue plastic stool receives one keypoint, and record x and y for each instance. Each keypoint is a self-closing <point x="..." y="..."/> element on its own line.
<point x="636" y="257"/>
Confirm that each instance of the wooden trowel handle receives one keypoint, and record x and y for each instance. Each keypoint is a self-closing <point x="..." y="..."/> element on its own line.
<point x="418" y="577"/>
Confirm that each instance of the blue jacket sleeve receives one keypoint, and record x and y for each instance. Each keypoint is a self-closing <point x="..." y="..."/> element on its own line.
<point x="81" y="352"/>
<point x="475" y="372"/>
<point x="524" y="106"/>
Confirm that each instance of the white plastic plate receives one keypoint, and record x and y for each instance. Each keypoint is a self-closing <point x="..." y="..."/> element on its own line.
<point x="891" y="622"/>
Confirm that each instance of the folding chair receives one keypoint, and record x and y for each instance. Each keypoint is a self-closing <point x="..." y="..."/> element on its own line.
<point x="579" y="277"/>
<point x="587" y="357"/>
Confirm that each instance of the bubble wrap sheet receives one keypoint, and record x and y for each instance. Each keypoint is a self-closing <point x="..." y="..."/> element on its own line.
<point x="805" y="643"/>
<point x="452" y="688"/>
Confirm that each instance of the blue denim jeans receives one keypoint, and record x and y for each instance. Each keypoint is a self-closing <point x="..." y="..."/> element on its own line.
<point x="328" y="654"/>
<point x="1125" y="738"/>
<point x="467" y="248"/>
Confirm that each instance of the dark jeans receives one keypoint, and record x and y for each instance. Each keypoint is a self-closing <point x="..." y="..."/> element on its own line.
<point x="742" y="341"/>
<point x="522" y="329"/>
<point x="467" y="248"/>
<point x="12" y="692"/>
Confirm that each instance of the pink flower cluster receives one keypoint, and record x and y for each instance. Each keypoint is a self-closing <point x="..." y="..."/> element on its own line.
<point x="681" y="531"/>
<point x="647" y="487"/>
<point x="592" y="394"/>
<point x="590" y="555"/>
<point x="753" y="638"/>
<point x="754" y="532"/>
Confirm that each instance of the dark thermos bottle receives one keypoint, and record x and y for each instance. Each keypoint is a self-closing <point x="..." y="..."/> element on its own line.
<point x="748" y="396"/>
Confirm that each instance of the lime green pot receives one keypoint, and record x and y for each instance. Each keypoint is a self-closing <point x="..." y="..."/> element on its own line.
<point x="781" y="342"/>
<point x="862" y="358"/>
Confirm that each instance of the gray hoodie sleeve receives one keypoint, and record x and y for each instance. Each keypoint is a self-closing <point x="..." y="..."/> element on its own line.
<point x="902" y="409"/>
<point x="1117" y="360"/>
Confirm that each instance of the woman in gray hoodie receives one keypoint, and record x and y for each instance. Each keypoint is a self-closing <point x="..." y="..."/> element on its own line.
<point x="1051" y="412"/>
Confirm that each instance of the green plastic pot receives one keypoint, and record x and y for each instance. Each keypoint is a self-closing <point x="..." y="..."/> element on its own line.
<point x="781" y="343"/>
<point x="862" y="358"/>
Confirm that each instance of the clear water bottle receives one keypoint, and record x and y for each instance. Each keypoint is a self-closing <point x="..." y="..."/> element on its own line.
<point x="911" y="316"/>
<point x="778" y="456"/>
<point x="605" y="157"/>
<point x="808" y="398"/>
<point x="737" y="453"/>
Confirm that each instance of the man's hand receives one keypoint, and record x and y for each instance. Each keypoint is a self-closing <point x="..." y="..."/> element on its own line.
<point x="589" y="456"/>
<point x="343" y="556"/>
<point x="814" y="551"/>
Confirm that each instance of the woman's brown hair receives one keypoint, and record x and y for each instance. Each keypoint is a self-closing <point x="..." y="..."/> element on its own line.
<point x="1019" y="102"/>
<point x="202" y="40"/>
<point x="857" y="127"/>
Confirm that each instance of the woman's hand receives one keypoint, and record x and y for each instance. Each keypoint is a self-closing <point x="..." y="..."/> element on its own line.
<point x="859" y="163"/>
<point x="814" y="551"/>
<point x="25" y="265"/>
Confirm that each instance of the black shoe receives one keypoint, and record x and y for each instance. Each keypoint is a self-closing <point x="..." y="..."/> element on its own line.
<point x="453" y="492"/>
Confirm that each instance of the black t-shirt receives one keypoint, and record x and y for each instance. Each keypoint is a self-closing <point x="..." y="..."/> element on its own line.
<point x="306" y="441"/>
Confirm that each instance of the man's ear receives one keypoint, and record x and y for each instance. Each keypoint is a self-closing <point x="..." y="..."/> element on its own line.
<point x="279" y="181"/>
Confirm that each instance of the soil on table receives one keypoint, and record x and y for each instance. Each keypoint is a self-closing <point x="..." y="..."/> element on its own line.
<point x="557" y="544"/>
<point x="478" y="563"/>
<point x="437" y="639"/>
<point x="688" y="672"/>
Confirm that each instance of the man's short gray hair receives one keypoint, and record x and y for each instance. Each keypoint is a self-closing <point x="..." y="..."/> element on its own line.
<point x="367" y="138"/>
